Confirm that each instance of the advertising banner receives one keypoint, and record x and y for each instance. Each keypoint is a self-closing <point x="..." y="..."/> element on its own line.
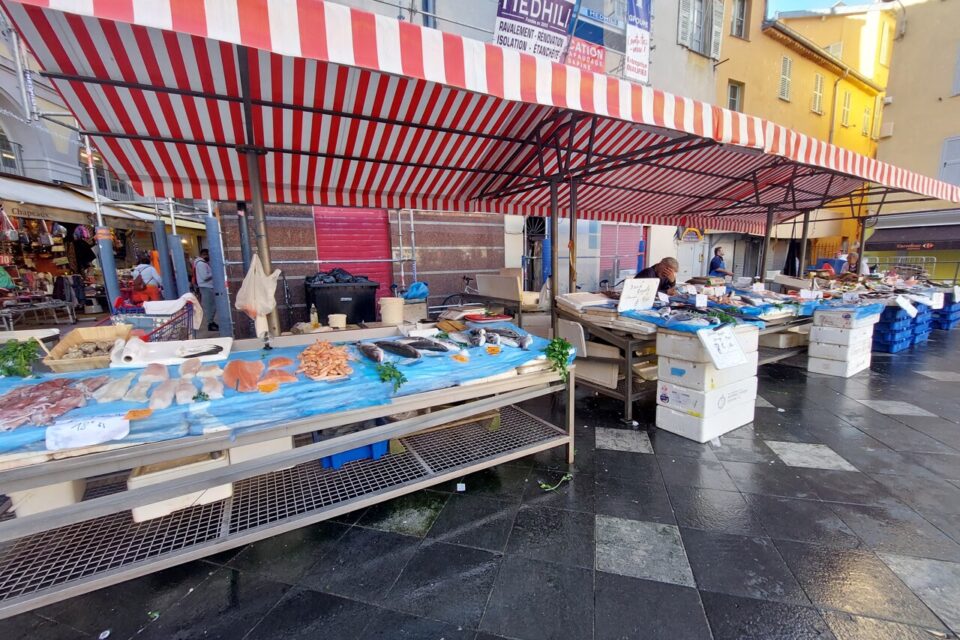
<point x="587" y="55"/>
<point x="540" y="27"/>
<point x="636" y="65"/>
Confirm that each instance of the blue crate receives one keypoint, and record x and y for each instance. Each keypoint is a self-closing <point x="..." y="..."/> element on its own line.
<point x="948" y="316"/>
<point x="373" y="451"/>
<point x="897" y="325"/>
<point x="920" y="338"/>
<point x="946" y="325"/>
<point x="893" y="347"/>
<point x="892" y="314"/>
<point x="922" y="327"/>
<point x="890" y="337"/>
<point x="950" y="307"/>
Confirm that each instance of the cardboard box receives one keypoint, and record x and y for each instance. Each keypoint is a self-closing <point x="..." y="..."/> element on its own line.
<point x="839" y="368"/>
<point x="706" y="404"/>
<point x="705" y="429"/>
<point x="703" y="376"/>
<point x="687" y="346"/>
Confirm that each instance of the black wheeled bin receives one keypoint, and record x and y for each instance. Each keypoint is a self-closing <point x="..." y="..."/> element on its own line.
<point x="355" y="299"/>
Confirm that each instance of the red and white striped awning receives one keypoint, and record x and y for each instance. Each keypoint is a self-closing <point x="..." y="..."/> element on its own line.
<point x="355" y="109"/>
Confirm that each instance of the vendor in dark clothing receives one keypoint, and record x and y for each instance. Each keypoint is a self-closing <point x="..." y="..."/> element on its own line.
<point x="666" y="271"/>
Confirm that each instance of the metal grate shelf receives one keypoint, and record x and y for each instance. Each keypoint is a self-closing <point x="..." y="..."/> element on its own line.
<point x="57" y="563"/>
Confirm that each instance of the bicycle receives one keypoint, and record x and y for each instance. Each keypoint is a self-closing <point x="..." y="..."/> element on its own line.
<point x="457" y="299"/>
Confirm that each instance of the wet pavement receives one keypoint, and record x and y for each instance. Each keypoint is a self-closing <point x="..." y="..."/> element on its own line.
<point x="836" y="514"/>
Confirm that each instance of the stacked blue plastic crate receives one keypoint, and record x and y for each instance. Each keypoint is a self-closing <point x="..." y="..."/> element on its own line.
<point x="948" y="317"/>
<point x="922" y="324"/>
<point x="895" y="331"/>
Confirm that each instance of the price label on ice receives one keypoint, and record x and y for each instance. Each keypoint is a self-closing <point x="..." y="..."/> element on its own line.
<point x="701" y="301"/>
<point x="722" y="345"/>
<point x="851" y="296"/>
<point x="86" y="432"/>
<point x="758" y="286"/>
<point x="907" y="306"/>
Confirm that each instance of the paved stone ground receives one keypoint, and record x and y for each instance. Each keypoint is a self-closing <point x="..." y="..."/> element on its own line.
<point x="835" y="515"/>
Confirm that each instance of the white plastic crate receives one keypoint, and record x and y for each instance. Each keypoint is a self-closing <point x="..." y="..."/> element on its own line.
<point x="705" y="429"/>
<point x="841" y="319"/>
<point x="853" y="351"/>
<point x="161" y="472"/>
<point x="687" y="346"/>
<point x="706" y="404"/>
<point x="51" y="496"/>
<point x="836" y="335"/>
<point x="703" y="376"/>
<point x="839" y="368"/>
<point x="245" y="452"/>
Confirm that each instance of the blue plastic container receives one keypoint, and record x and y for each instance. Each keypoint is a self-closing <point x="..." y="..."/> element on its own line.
<point x="892" y="314"/>
<point x="890" y="337"/>
<point x="948" y="316"/>
<point x="897" y="325"/>
<point x="893" y="347"/>
<point x="946" y="325"/>
<point x="373" y="451"/>
<point x="920" y="338"/>
<point x="922" y="327"/>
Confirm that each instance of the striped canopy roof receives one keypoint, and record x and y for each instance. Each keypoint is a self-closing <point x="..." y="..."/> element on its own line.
<point x="349" y="108"/>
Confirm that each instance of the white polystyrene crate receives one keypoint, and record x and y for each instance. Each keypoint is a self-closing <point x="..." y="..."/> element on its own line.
<point x="687" y="346"/>
<point x="842" y="319"/>
<point x="45" y="498"/>
<point x="785" y="339"/>
<point x="839" y="368"/>
<point x="836" y="335"/>
<point x="703" y="376"/>
<point x="706" y="404"/>
<point x="245" y="452"/>
<point x="705" y="429"/>
<point x="153" y="474"/>
<point x="831" y="351"/>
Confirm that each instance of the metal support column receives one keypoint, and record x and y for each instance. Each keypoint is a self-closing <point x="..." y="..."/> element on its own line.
<point x="767" y="235"/>
<point x="572" y="242"/>
<point x="804" y="238"/>
<point x="554" y="232"/>
<point x="215" y="247"/>
<point x="104" y="236"/>
<point x="255" y="182"/>
<point x="180" y="273"/>
<point x="245" y="253"/>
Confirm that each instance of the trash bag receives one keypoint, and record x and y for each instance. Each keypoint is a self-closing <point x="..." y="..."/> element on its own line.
<point x="257" y="295"/>
<point x="417" y="291"/>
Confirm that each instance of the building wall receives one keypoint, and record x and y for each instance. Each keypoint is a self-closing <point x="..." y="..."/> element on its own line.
<point x="675" y="68"/>
<point x="924" y="111"/>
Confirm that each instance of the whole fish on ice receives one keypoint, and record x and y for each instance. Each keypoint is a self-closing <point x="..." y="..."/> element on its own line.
<point x="398" y="348"/>
<point x="371" y="351"/>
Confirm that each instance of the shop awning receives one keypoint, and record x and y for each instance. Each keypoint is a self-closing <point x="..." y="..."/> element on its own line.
<point x="348" y="108"/>
<point x="39" y="201"/>
<point x="928" y="238"/>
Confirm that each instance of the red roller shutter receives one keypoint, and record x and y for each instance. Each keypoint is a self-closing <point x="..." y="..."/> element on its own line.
<point x="355" y="234"/>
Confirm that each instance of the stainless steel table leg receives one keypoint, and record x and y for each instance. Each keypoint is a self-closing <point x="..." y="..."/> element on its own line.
<point x="628" y="383"/>
<point x="571" y="399"/>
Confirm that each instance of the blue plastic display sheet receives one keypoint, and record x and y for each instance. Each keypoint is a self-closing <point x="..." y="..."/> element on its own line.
<point x="651" y="316"/>
<point x="246" y="412"/>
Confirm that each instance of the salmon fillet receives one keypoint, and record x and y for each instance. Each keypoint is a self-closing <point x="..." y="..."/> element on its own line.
<point x="279" y="363"/>
<point x="242" y="375"/>
<point x="280" y="377"/>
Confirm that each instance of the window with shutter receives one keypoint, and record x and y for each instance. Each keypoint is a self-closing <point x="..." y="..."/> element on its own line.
<point x="786" y="69"/>
<point x="877" y="114"/>
<point x="817" y="104"/>
<point x="950" y="161"/>
<point x="735" y="95"/>
<point x="716" y="29"/>
<point x="865" y="127"/>
<point x="738" y="19"/>
<point x="684" y="22"/>
<point x="845" y="112"/>
<point x="956" y="74"/>
<point x="698" y="31"/>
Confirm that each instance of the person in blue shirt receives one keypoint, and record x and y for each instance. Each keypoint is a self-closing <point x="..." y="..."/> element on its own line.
<point x="718" y="268"/>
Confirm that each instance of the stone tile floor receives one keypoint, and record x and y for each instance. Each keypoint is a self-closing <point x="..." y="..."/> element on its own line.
<point x="836" y="514"/>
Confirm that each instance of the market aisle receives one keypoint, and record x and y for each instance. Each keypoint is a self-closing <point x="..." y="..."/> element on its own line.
<point x="836" y="514"/>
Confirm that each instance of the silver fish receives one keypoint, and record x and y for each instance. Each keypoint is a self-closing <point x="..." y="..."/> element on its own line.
<point x="371" y="351"/>
<point x="459" y="338"/>
<point x="398" y="348"/>
<point x="426" y="344"/>
<point x="477" y="336"/>
<point x="504" y="332"/>
<point x="493" y="338"/>
<point x="523" y="342"/>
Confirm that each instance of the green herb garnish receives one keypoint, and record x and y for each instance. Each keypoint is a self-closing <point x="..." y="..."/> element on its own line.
<point x="389" y="373"/>
<point x="17" y="358"/>
<point x="723" y="317"/>
<point x="442" y="335"/>
<point x="201" y="397"/>
<point x="558" y="352"/>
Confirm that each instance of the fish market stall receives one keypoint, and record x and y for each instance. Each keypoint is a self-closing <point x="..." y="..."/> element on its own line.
<point x="117" y="472"/>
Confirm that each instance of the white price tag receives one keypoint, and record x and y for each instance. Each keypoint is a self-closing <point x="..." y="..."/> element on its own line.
<point x="692" y="289"/>
<point x="638" y="293"/>
<point x="701" y="301"/>
<point x="662" y="297"/>
<point x="758" y="286"/>
<point x="86" y="432"/>
<point x="722" y="345"/>
<point x="851" y="296"/>
<point x="937" y="300"/>
<point x="907" y="306"/>
<point x="809" y="294"/>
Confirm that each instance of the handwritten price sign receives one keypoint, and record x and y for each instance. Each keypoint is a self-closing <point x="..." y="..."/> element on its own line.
<point x="87" y="432"/>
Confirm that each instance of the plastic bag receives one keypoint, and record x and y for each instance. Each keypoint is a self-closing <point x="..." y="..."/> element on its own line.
<point x="417" y="291"/>
<point x="257" y="295"/>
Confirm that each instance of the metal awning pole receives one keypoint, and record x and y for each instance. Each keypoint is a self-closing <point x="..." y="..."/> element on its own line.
<point x="221" y="294"/>
<point x="572" y="243"/>
<point x="104" y="236"/>
<point x="804" y="237"/>
<point x="255" y="182"/>
<point x="180" y="273"/>
<point x="554" y="232"/>
<point x="767" y="236"/>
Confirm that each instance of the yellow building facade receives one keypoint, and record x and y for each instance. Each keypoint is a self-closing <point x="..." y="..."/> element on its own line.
<point x="823" y="74"/>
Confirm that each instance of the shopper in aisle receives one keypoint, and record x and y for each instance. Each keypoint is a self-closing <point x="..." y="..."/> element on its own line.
<point x="855" y="265"/>
<point x="208" y="300"/>
<point x="666" y="272"/>
<point x="146" y="281"/>
<point x="718" y="268"/>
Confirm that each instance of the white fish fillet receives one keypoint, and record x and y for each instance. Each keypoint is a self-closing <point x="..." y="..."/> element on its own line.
<point x="189" y="368"/>
<point x="162" y="396"/>
<point x="138" y="392"/>
<point x="155" y="372"/>
<point x="213" y="387"/>
<point x="186" y="391"/>
<point x="210" y="371"/>
<point x="115" y="389"/>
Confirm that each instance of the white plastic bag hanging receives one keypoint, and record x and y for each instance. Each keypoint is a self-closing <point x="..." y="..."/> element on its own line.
<point x="257" y="295"/>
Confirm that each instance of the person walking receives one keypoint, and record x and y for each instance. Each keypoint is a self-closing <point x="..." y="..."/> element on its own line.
<point x="208" y="300"/>
<point x="718" y="268"/>
<point x="146" y="281"/>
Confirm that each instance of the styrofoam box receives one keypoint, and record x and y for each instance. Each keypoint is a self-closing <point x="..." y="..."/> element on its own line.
<point x="839" y="368"/>
<point x="706" y="404"/>
<point x="830" y="351"/>
<point x="51" y="496"/>
<point x="154" y="474"/>
<point x="245" y="452"/>
<point x="705" y="429"/>
<point x="703" y="376"/>
<point x="835" y="335"/>
<point x="842" y="319"/>
<point x="680" y="344"/>
<point x="785" y="339"/>
<point x="605" y="374"/>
